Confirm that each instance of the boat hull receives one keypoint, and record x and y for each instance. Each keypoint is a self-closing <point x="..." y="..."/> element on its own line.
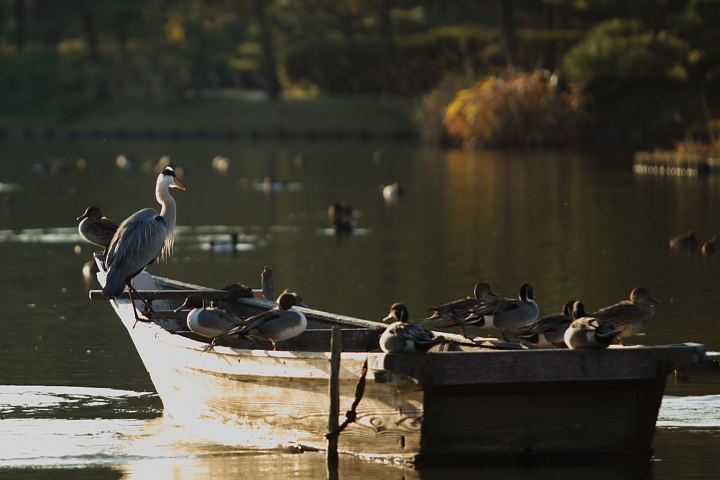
<point x="436" y="405"/>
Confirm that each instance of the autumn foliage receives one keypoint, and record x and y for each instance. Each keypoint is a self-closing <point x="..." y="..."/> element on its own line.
<point x="526" y="109"/>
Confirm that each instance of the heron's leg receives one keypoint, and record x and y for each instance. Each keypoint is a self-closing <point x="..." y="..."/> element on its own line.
<point x="152" y="311"/>
<point x="132" y="302"/>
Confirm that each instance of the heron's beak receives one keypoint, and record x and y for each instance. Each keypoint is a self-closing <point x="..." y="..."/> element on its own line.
<point x="177" y="184"/>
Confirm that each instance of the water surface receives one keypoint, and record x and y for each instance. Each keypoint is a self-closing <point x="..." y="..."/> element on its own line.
<point x="76" y="400"/>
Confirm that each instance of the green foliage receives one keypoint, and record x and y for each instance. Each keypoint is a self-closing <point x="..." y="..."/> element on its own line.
<point x="624" y="49"/>
<point x="46" y="85"/>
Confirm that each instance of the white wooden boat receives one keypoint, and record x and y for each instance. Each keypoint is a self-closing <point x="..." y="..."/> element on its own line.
<point x="467" y="400"/>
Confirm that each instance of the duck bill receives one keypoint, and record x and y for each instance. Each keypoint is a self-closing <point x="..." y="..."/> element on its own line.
<point x="653" y="299"/>
<point x="179" y="185"/>
<point x="82" y="217"/>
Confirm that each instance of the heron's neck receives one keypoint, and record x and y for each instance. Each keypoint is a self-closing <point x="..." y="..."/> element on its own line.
<point x="162" y="194"/>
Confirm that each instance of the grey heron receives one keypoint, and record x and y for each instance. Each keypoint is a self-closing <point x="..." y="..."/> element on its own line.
<point x="141" y="238"/>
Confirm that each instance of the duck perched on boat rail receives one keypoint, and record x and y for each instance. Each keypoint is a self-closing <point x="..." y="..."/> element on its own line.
<point x="95" y="228"/>
<point x="548" y="332"/>
<point x="456" y="311"/>
<point x="505" y="314"/>
<point x="209" y="322"/>
<point x="277" y="324"/>
<point x="403" y="336"/>
<point x="629" y="317"/>
<point x="586" y="331"/>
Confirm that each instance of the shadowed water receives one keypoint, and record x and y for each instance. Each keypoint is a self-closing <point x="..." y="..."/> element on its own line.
<point x="74" y="394"/>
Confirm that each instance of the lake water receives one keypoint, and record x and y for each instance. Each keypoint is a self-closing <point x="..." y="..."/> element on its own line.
<point x="76" y="402"/>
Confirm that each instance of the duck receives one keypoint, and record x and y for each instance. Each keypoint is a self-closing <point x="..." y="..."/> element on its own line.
<point x="548" y="332"/>
<point x="224" y="245"/>
<point x="221" y="164"/>
<point x="711" y="246"/>
<point x="277" y="324"/>
<point x="90" y="270"/>
<point x="340" y="215"/>
<point x="125" y="162"/>
<point x="143" y="237"/>
<point x="392" y="191"/>
<point x="456" y="311"/>
<point x="585" y="331"/>
<point x="403" y="336"/>
<point x="505" y="314"/>
<point x="270" y="184"/>
<point x="209" y="322"/>
<point x="629" y="317"/>
<point x="686" y="241"/>
<point x="95" y="228"/>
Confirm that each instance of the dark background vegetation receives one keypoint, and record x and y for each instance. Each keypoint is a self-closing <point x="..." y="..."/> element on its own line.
<point x="648" y="64"/>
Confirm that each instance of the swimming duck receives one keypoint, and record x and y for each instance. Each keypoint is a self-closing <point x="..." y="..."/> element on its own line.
<point x="548" y="332"/>
<point x="209" y="322"/>
<point x="403" y="336"/>
<point x="221" y="164"/>
<point x="586" y="331"/>
<point x="629" y="317"/>
<point x="95" y="228"/>
<point x="224" y="245"/>
<point x="125" y="162"/>
<point x="340" y="215"/>
<point x="686" y="241"/>
<point x="458" y="310"/>
<point x="505" y="314"/>
<point x="393" y="191"/>
<point x="277" y="324"/>
<point x="711" y="246"/>
<point x="270" y="184"/>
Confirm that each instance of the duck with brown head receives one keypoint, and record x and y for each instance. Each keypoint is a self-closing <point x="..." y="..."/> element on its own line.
<point x="629" y="317"/>
<point x="95" y="228"/>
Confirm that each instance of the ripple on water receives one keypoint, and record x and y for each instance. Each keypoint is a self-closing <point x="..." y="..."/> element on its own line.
<point x="696" y="412"/>
<point x="49" y="426"/>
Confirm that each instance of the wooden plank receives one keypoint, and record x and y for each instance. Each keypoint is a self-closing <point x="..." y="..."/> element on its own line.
<point x="447" y="368"/>
<point x="166" y="294"/>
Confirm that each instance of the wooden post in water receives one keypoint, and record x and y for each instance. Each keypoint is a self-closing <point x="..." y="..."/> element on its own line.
<point x="334" y="395"/>
<point x="267" y="281"/>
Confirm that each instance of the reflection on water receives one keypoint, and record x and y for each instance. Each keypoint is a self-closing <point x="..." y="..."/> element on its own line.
<point x="51" y="427"/>
<point x="574" y="225"/>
